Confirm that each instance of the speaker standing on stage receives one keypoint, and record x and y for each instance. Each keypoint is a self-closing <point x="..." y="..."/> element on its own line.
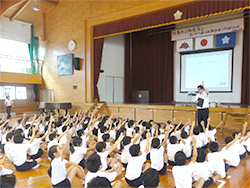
<point x="8" y="103"/>
<point x="202" y="102"/>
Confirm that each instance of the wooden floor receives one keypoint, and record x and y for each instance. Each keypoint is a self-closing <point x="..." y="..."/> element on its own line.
<point x="237" y="177"/>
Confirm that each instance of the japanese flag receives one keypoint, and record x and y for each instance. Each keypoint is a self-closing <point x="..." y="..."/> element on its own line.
<point x="204" y="42"/>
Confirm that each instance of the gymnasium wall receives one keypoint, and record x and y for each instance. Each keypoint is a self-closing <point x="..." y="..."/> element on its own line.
<point x="65" y="22"/>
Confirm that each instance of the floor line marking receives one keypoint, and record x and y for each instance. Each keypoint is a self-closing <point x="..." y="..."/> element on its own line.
<point x="169" y="170"/>
<point x="45" y="164"/>
<point x="38" y="183"/>
<point x="222" y="183"/>
<point x="32" y="178"/>
<point x="228" y="177"/>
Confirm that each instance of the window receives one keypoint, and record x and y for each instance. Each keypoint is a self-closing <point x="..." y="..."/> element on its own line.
<point x="21" y="93"/>
<point x="14" y="56"/>
<point x="14" y="92"/>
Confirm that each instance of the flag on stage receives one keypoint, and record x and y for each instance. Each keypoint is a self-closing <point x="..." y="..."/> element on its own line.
<point x="184" y="45"/>
<point x="204" y="42"/>
<point x="225" y="39"/>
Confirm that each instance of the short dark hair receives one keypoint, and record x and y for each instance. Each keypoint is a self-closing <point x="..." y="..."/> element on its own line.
<point x="64" y="128"/>
<point x="18" y="138"/>
<point x="180" y="158"/>
<point x="201" y="155"/>
<point x="76" y="141"/>
<point x="150" y="178"/>
<point x="134" y="150"/>
<point x="125" y="141"/>
<point x="200" y="86"/>
<point x="9" y="136"/>
<point x="144" y="134"/>
<point x="234" y="134"/>
<point x="99" y="182"/>
<point x="228" y="139"/>
<point x="18" y="131"/>
<point x="52" y="151"/>
<point x="155" y="142"/>
<point x="100" y="146"/>
<point x="8" y="181"/>
<point x="173" y="139"/>
<point x="196" y="131"/>
<point x="103" y="129"/>
<point x="184" y="134"/>
<point x="79" y="132"/>
<point x="130" y="123"/>
<point x="93" y="162"/>
<point x="105" y="137"/>
<point x="52" y="136"/>
<point x="213" y="146"/>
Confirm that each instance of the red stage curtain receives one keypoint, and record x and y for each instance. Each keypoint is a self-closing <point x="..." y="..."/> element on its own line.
<point x="98" y="46"/>
<point x="245" y="86"/>
<point x="127" y="70"/>
<point x="192" y="10"/>
<point x="151" y="67"/>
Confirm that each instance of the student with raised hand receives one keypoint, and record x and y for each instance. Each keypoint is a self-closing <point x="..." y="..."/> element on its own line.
<point x="60" y="177"/>
<point x="217" y="159"/>
<point x="37" y="149"/>
<point x="136" y="165"/>
<point x="18" y="153"/>
<point x="183" y="173"/>
<point x="77" y="152"/>
<point x="125" y="145"/>
<point x="203" y="169"/>
<point x="232" y="152"/>
<point x="210" y="132"/>
<point x="159" y="159"/>
<point x="107" y="163"/>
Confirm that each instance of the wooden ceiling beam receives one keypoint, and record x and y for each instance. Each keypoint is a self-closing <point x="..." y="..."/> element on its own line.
<point x="6" y="4"/>
<point x="52" y="2"/>
<point x="20" y="10"/>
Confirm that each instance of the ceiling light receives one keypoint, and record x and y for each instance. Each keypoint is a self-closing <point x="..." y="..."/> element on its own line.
<point x="36" y="5"/>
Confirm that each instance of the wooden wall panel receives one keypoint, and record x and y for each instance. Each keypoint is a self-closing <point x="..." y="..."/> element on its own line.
<point x="183" y="116"/>
<point x="144" y="114"/>
<point x="162" y="116"/>
<point x="127" y="113"/>
<point x="216" y="117"/>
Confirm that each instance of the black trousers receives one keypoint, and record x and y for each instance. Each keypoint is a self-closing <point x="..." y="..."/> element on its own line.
<point x="203" y="114"/>
<point x="8" y="109"/>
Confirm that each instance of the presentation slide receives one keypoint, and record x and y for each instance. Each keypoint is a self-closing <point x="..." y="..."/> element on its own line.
<point x="214" y="68"/>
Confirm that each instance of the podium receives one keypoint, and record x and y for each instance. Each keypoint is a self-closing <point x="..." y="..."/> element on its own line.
<point x="142" y="96"/>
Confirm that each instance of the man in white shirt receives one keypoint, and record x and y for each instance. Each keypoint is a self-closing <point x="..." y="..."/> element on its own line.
<point x="8" y="103"/>
<point x="202" y="102"/>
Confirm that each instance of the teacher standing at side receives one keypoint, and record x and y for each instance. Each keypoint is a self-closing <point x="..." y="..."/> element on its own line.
<point x="8" y="103"/>
<point x="202" y="102"/>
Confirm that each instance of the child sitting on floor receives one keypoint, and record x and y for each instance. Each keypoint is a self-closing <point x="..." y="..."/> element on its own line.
<point x="136" y="165"/>
<point x="60" y="177"/>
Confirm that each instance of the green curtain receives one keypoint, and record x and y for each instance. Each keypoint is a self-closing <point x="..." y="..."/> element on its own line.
<point x="34" y="52"/>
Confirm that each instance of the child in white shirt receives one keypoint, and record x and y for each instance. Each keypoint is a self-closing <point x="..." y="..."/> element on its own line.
<point x="60" y="177"/>
<point x="107" y="163"/>
<point x="77" y="152"/>
<point x="124" y="147"/>
<point x="172" y="148"/>
<point x="183" y="173"/>
<point x="94" y="165"/>
<point x="159" y="159"/>
<point x="18" y="152"/>
<point x="203" y="169"/>
<point x="136" y="164"/>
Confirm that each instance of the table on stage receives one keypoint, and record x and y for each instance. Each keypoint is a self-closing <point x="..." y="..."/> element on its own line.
<point x="55" y="105"/>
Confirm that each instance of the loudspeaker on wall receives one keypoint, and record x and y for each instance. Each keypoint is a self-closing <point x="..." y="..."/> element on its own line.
<point x="76" y="61"/>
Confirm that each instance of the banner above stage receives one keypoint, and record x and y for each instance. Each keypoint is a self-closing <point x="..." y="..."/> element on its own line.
<point x="210" y="29"/>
